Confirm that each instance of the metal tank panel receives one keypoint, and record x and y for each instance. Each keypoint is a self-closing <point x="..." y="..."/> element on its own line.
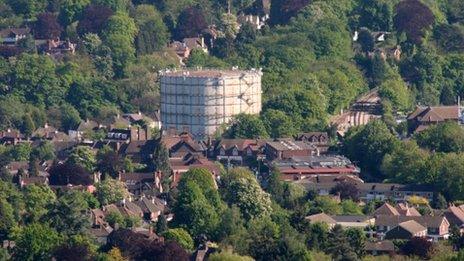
<point x="200" y="101"/>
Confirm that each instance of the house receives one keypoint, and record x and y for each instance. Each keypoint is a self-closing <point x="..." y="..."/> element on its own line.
<point x="437" y="226"/>
<point x="143" y="120"/>
<point x="84" y="128"/>
<point x="402" y="209"/>
<point x="406" y="230"/>
<point x="375" y="248"/>
<point x="287" y="148"/>
<point x="303" y="167"/>
<point x="321" y="218"/>
<point x="139" y="151"/>
<point x="423" y="117"/>
<point x="255" y="20"/>
<point x="56" y="47"/>
<point x="455" y="216"/>
<point x="354" y="221"/>
<point x="152" y="207"/>
<point x="11" y="36"/>
<point x="184" y="48"/>
<point x="324" y="183"/>
<point x="182" y="144"/>
<point x="48" y="132"/>
<point x="236" y="151"/>
<point x="182" y="165"/>
<point x="393" y="191"/>
<point x="140" y="183"/>
<point x="26" y="181"/>
<point x="11" y="137"/>
<point x="319" y="139"/>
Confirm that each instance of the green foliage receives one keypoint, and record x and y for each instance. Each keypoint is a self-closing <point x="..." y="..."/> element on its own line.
<point x="70" y="213"/>
<point x="350" y="207"/>
<point x="446" y="137"/>
<point x="228" y="256"/>
<point x="406" y="163"/>
<point x="247" y="126"/>
<point x="243" y="190"/>
<point x="368" y="145"/>
<point x="198" y="203"/>
<point x="153" y="34"/>
<point x="8" y="220"/>
<point x="111" y="191"/>
<point x="35" y="242"/>
<point x="83" y="156"/>
<point x="181" y="236"/>
<point x="339" y="246"/>
<point x="375" y="15"/>
<point x="37" y="201"/>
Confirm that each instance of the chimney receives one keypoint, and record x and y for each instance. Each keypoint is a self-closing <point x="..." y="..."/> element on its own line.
<point x="46" y="125"/>
<point x="123" y="201"/>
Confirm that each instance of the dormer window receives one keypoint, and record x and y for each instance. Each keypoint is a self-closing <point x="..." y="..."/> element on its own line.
<point x="235" y="152"/>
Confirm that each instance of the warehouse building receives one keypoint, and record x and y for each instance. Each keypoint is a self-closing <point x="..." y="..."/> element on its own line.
<point x="200" y="101"/>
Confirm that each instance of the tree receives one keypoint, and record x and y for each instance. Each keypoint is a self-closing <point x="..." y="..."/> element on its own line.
<point x="278" y="124"/>
<point x="27" y="7"/>
<point x="357" y="239"/>
<point x="264" y="234"/>
<point x="450" y="178"/>
<point x="72" y="10"/>
<point x="413" y="18"/>
<point x="70" y="118"/>
<point x="455" y="10"/>
<point x="119" y="35"/>
<point x="243" y="190"/>
<point x="161" y="225"/>
<point x="111" y="191"/>
<point x="83" y="156"/>
<point x="197" y="203"/>
<point x="93" y="19"/>
<point x="376" y="15"/>
<point x="346" y="190"/>
<point x="339" y="246"/>
<point x="35" y="80"/>
<point x="368" y="145"/>
<point x="161" y="162"/>
<point x="283" y="10"/>
<point x="325" y="204"/>
<point x="181" y="236"/>
<point x="446" y="137"/>
<point x="72" y="252"/>
<point x="47" y="27"/>
<point x="44" y="151"/>
<point x="419" y="246"/>
<point x="8" y="220"/>
<point x="153" y="34"/>
<point x="28" y="125"/>
<point x="439" y="202"/>
<point x="317" y="235"/>
<point x="35" y="242"/>
<point x="115" y="5"/>
<point x="63" y="174"/>
<point x="38" y="200"/>
<point x="228" y="256"/>
<point x="247" y="126"/>
<point x="190" y="23"/>
<point x="70" y="213"/>
<point x="109" y="162"/>
<point x="406" y="163"/>
<point x="366" y="41"/>
<point x="115" y="254"/>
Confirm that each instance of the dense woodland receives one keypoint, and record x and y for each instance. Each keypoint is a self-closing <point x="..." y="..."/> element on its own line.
<point x="312" y="70"/>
